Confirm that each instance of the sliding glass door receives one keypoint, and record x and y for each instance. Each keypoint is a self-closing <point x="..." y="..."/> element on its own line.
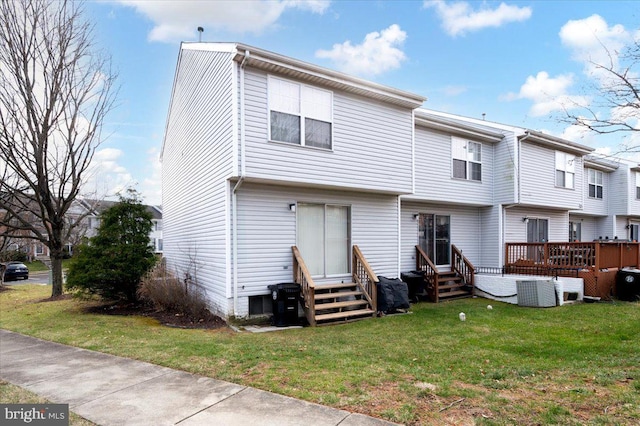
<point x="324" y="238"/>
<point x="434" y="237"/>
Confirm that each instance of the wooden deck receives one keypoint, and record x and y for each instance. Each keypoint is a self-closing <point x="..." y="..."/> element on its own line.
<point x="595" y="262"/>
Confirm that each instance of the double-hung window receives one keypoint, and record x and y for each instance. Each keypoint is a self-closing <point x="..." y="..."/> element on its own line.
<point x="595" y="184"/>
<point x="300" y="114"/>
<point x="565" y="170"/>
<point x="467" y="159"/>
<point x="638" y="185"/>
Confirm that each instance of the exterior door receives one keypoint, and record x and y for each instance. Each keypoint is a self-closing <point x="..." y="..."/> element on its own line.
<point x="434" y="237"/>
<point x="537" y="230"/>
<point x="324" y="238"/>
<point x="575" y="231"/>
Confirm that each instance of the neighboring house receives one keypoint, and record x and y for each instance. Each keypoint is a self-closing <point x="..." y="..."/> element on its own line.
<point x="90" y="211"/>
<point x="85" y="214"/>
<point x="21" y="240"/>
<point x="264" y="152"/>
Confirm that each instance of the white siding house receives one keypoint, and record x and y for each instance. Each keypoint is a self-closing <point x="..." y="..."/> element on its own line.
<point x="264" y="152"/>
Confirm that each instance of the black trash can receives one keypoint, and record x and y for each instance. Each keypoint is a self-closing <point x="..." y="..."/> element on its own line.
<point x="285" y="297"/>
<point x="415" y="282"/>
<point x="628" y="284"/>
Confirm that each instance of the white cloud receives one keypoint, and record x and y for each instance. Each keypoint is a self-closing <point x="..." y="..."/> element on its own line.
<point x="178" y="20"/>
<point x="459" y="18"/>
<point x="579" y="134"/>
<point x="592" y="40"/>
<point x="548" y="94"/>
<point x="379" y="52"/>
<point x="106" y="177"/>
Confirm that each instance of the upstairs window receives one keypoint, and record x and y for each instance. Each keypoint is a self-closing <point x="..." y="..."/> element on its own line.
<point x="565" y="170"/>
<point x="300" y="114"/>
<point x="467" y="159"/>
<point x="638" y="185"/>
<point x="595" y="184"/>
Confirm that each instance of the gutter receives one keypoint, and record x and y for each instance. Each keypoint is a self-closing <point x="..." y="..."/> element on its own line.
<point x="234" y="196"/>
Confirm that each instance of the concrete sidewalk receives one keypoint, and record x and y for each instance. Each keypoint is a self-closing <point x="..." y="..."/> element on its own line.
<point x="109" y="390"/>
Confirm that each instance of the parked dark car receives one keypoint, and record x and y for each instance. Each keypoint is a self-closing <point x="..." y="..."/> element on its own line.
<point x="16" y="271"/>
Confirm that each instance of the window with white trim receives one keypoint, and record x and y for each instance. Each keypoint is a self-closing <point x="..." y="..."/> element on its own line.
<point x="300" y="114"/>
<point x="466" y="159"/>
<point x="595" y="184"/>
<point x="638" y="185"/>
<point x="565" y="170"/>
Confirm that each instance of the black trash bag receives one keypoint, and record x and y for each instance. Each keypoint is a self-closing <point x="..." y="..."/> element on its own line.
<point x="393" y="294"/>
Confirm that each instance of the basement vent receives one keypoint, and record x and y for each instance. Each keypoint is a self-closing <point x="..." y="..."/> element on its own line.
<point x="260" y="305"/>
<point x="536" y="293"/>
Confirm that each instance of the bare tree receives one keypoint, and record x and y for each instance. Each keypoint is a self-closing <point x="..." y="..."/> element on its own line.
<point x="614" y="96"/>
<point x="55" y="91"/>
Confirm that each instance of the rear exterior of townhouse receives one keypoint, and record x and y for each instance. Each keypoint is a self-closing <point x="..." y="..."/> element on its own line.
<point x="263" y="153"/>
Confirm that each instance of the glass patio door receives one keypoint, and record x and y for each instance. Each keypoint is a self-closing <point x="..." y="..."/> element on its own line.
<point x="434" y="237"/>
<point x="537" y="230"/>
<point x="323" y="238"/>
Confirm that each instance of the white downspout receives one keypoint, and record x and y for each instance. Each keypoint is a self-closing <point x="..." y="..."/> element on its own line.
<point x="234" y="197"/>
<point x="399" y="235"/>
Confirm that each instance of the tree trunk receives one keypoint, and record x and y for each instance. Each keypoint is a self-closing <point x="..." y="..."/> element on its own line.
<point x="56" y="272"/>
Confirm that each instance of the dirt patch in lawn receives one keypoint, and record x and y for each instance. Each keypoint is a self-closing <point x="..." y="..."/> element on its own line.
<point x="170" y="319"/>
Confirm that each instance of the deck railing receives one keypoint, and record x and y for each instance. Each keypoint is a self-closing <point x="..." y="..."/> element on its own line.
<point x="302" y="276"/>
<point x="462" y="266"/>
<point x="364" y="277"/>
<point x="596" y="255"/>
<point x="424" y="264"/>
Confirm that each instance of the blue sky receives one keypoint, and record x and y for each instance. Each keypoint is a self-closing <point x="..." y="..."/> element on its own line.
<point x="515" y="61"/>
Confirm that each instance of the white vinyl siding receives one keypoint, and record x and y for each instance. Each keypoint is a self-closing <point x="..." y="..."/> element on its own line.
<point x="516" y="227"/>
<point x="300" y="114"/>
<point x="197" y="161"/>
<point x="538" y="180"/>
<point x="371" y="144"/>
<point x="433" y="163"/>
<point x="466" y="229"/>
<point x="267" y="229"/>
<point x="565" y="170"/>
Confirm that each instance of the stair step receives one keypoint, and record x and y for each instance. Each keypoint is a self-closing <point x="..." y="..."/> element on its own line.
<point x="344" y="315"/>
<point x="457" y="293"/>
<point x="320" y="287"/>
<point x="337" y="294"/>
<point x="338" y="305"/>
<point x="450" y="286"/>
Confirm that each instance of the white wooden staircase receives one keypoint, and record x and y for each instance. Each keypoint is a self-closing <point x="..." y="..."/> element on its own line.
<point x="339" y="302"/>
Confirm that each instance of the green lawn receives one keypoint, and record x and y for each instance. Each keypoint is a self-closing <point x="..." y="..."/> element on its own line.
<point x="577" y="364"/>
